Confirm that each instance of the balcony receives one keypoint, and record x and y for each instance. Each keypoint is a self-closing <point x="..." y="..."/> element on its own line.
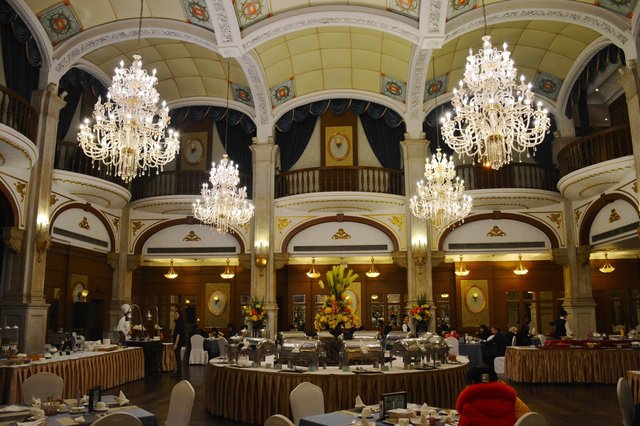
<point x="71" y="158"/>
<point x="16" y="113"/>
<point x="595" y="148"/>
<point x="514" y="175"/>
<point x="329" y="179"/>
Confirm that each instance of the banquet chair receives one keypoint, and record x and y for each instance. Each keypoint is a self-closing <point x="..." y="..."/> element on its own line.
<point x="498" y="366"/>
<point x="454" y="345"/>
<point x="625" y="399"/>
<point x="514" y="341"/>
<point x="42" y="385"/>
<point x="306" y="399"/>
<point x="278" y="420"/>
<point x="222" y="346"/>
<point x="118" y="419"/>
<point x="542" y="338"/>
<point x="198" y="355"/>
<point x="531" y="419"/>
<point x="180" y="404"/>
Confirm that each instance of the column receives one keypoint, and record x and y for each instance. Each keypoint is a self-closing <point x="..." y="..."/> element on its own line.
<point x="263" y="276"/>
<point x="24" y="303"/>
<point x="630" y="82"/>
<point x="578" y="296"/>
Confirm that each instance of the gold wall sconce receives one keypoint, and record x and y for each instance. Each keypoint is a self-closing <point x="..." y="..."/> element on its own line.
<point x="43" y="238"/>
<point x="262" y="257"/>
<point x="419" y="256"/>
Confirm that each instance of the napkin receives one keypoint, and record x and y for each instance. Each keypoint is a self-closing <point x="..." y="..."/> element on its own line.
<point x="36" y="402"/>
<point x="80" y="420"/>
<point x="424" y="409"/>
<point x="359" y="402"/>
<point x="34" y="423"/>
<point x="13" y="409"/>
<point x="121" y="399"/>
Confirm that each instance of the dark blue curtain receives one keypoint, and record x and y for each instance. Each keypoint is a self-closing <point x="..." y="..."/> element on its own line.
<point x="75" y="82"/>
<point x="293" y="132"/>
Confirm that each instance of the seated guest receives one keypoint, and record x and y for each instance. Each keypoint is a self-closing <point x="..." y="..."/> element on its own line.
<point x="484" y="332"/>
<point x="486" y="401"/>
<point x="444" y="327"/>
<point x="522" y="337"/>
<point x="215" y="333"/>
<point x="452" y="333"/>
<point x="495" y="346"/>
<point x="509" y="335"/>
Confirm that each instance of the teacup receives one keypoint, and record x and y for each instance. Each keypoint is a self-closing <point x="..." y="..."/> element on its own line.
<point x="100" y="405"/>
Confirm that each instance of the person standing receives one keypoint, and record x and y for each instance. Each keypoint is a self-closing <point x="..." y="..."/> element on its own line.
<point x="561" y="326"/>
<point x="406" y="327"/>
<point x="179" y="337"/>
<point x="124" y="325"/>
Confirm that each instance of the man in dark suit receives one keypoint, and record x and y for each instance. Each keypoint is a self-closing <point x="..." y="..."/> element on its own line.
<point x="179" y="339"/>
<point x="561" y="326"/>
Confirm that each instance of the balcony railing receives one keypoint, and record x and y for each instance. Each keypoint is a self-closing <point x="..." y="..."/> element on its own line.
<point x="70" y="157"/>
<point x="595" y="148"/>
<point x="16" y="113"/>
<point x="176" y="183"/>
<point x="514" y="175"/>
<point x="358" y="179"/>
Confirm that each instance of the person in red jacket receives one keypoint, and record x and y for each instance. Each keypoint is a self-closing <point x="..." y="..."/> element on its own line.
<point x="486" y="402"/>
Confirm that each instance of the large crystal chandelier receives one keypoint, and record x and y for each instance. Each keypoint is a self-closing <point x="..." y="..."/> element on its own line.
<point x="129" y="133"/>
<point x="494" y="117"/>
<point x="223" y="205"/>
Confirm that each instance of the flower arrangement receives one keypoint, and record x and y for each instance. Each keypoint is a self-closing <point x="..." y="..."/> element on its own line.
<point x="421" y="311"/>
<point x="254" y="311"/>
<point x="336" y="310"/>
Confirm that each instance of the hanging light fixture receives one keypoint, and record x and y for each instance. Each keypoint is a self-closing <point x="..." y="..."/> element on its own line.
<point x="493" y="114"/>
<point x="128" y="136"/>
<point x="372" y="272"/>
<point x="228" y="273"/>
<point x="607" y="267"/>
<point x="313" y="272"/>
<point x="171" y="274"/>
<point x="520" y="269"/>
<point x="439" y="196"/>
<point x="461" y="270"/>
<point x="224" y="204"/>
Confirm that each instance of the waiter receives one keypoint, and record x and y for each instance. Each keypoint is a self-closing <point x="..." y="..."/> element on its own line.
<point x="179" y="339"/>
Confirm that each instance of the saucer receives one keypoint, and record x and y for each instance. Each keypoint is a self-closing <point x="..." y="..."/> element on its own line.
<point x="76" y="410"/>
<point x="100" y="410"/>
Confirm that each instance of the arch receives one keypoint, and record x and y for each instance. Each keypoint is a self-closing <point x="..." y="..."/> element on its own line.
<point x="339" y="218"/>
<point x="8" y="208"/>
<point x="189" y="220"/>
<point x="97" y="213"/>
<point x="548" y="232"/>
<point x="209" y="101"/>
<point x="594" y="209"/>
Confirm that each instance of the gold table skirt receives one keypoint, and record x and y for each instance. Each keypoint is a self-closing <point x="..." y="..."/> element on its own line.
<point x="107" y="370"/>
<point x="634" y="381"/>
<point x="251" y="396"/>
<point x="605" y="366"/>
<point x="168" y="357"/>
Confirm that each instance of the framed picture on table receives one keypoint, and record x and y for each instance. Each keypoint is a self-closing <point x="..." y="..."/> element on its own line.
<point x="392" y="401"/>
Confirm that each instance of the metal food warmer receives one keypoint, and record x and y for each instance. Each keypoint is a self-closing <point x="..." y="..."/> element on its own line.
<point x="393" y="336"/>
<point x="421" y="350"/>
<point x="257" y="348"/>
<point x="365" y="348"/>
<point x="299" y="351"/>
<point x="284" y="335"/>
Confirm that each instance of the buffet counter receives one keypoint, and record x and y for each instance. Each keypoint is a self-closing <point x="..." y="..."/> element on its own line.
<point x="251" y="395"/>
<point x="634" y="381"/>
<point x="80" y="371"/>
<point x="542" y="365"/>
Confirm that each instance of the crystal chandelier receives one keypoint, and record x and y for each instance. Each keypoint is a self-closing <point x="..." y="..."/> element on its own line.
<point x="171" y="273"/>
<point x="313" y="272"/>
<point x="461" y="270"/>
<point x="520" y="269"/>
<point x="224" y="205"/>
<point x="493" y="118"/>
<point x="129" y="133"/>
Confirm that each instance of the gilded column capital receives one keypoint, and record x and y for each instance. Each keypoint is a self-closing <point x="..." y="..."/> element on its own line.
<point x="280" y="260"/>
<point x="437" y="257"/>
<point x="560" y="256"/>
<point x="583" y="253"/>
<point x="134" y="261"/>
<point x="13" y="237"/>
<point x="112" y="259"/>
<point x="399" y="258"/>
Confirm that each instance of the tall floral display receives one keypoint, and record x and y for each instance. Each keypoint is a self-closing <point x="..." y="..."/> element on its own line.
<point x="420" y="314"/>
<point x="255" y="314"/>
<point x="336" y="311"/>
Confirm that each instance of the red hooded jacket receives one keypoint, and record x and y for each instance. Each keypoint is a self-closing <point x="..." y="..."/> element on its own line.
<point x="487" y="404"/>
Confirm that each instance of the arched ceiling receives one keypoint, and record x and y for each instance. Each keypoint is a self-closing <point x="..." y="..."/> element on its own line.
<point x="288" y="52"/>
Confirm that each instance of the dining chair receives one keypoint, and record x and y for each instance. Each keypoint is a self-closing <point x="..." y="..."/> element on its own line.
<point x="118" y="419"/>
<point x="278" y="420"/>
<point x="306" y="399"/>
<point x="625" y="399"/>
<point x="498" y="366"/>
<point x="454" y="345"/>
<point x="531" y="419"/>
<point x="180" y="404"/>
<point x="42" y="385"/>
<point x="222" y="346"/>
<point x="198" y="355"/>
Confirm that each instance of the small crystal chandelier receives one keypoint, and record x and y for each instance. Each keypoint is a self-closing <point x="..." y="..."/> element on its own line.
<point x="461" y="270"/>
<point x="224" y="204"/>
<point x="520" y="269"/>
<point x="493" y="114"/>
<point x="607" y="267"/>
<point x="171" y="273"/>
<point x="129" y="134"/>
<point x="372" y="272"/>
<point x="313" y="272"/>
<point x="228" y="273"/>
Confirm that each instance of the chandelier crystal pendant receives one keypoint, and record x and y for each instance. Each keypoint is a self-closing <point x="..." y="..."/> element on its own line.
<point x="223" y="205"/>
<point x="128" y="136"/>
<point x="494" y="118"/>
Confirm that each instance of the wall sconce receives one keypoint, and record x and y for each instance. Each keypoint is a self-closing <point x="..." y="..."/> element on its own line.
<point x="475" y="295"/>
<point x="372" y="272"/>
<point x="228" y="273"/>
<point x="607" y="267"/>
<point x="313" y="272"/>
<point x="520" y="270"/>
<point x="419" y="256"/>
<point x="82" y="295"/>
<point x="171" y="273"/>
<point x="216" y="299"/>
<point x="262" y="257"/>
<point x="461" y="270"/>
<point x="43" y="239"/>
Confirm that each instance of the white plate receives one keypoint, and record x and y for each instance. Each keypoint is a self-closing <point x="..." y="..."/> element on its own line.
<point x="77" y="410"/>
<point x="100" y="410"/>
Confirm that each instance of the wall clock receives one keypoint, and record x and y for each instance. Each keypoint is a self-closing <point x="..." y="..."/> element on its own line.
<point x="339" y="146"/>
<point x="475" y="300"/>
<point x="194" y="151"/>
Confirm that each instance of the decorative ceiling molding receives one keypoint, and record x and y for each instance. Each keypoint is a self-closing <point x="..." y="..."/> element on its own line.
<point x="211" y="101"/>
<point x="432" y="24"/>
<point x="257" y="80"/>
<point x="420" y="59"/>
<point x="225" y="24"/>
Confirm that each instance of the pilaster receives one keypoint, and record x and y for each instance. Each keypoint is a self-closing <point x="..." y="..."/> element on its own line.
<point x="123" y="266"/>
<point x="630" y="82"/>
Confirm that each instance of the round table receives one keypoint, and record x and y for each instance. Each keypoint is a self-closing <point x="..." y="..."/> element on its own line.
<point x="251" y="395"/>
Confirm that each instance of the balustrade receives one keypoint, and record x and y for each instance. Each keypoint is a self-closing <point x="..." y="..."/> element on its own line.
<point x="16" y="113"/>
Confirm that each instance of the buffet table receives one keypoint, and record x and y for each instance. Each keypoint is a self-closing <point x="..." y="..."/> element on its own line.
<point x="634" y="381"/>
<point x="539" y="365"/>
<point x="168" y="357"/>
<point x="251" y="395"/>
<point x="152" y="353"/>
<point x="80" y="372"/>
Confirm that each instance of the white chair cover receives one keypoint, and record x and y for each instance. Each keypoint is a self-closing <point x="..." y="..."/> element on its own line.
<point x="625" y="399"/>
<point x="454" y="345"/>
<point x="181" y="404"/>
<point x="306" y="399"/>
<point x="198" y="355"/>
<point x="514" y="341"/>
<point x="498" y="366"/>
<point x="531" y="419"/>
<point x="542" y="338"/>
<point x="278" y="420"/>
<point x="222" y="346"/>
<point x="42" y="385"/>
<point x="118" y="419"/>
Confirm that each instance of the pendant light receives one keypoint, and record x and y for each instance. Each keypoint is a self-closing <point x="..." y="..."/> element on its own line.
<point x="171" y="273"/>
<point x="372" y="272"/>
<point x="607" y="267"/>
<point x="461" y="270"/>
<point x="520" y="270"/>
<point x="313" y="272"/>
<point x="228" y="273"/>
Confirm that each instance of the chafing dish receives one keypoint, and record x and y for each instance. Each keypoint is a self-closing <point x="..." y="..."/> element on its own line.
<point x="367" y="334"/>
<point x="77" y="342"/>
<point x="256" y="348"/>
<point x="234" y="344"/>
<point x="284" y="335"/>
<point x="297" y="351"/>
<point x="421" y="350"/>
<point x="393" y="336"/>
<point x="362" y="351"/>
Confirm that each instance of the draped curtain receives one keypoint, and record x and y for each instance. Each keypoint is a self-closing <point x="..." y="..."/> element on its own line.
<point x="75" y="82"/>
